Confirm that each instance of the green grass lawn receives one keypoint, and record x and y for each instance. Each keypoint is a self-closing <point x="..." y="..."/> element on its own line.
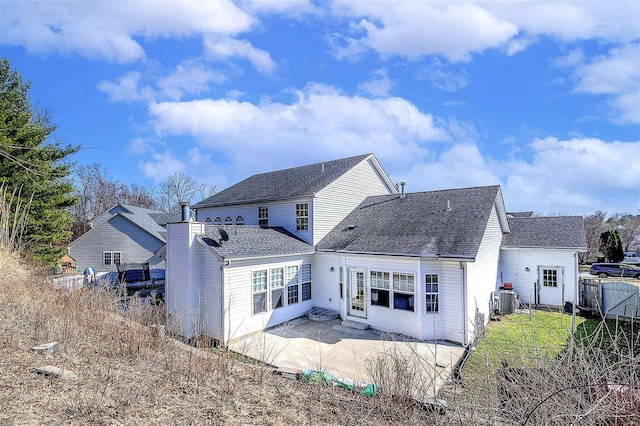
<point x="522" y="340"/>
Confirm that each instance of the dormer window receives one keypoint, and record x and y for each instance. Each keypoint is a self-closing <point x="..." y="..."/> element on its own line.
<point x="263" y="216"/>
<point x="302" y="216"/>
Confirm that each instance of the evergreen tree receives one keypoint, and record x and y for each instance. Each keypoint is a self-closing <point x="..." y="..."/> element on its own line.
<point x="35" y="167"/>
<point x="611" y="246"/>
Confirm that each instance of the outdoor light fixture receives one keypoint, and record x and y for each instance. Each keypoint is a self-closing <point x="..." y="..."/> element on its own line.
<point x="526" y="269"/>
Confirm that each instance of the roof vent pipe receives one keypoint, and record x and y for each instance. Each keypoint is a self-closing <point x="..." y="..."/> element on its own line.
<point x="448" y="205"/>
<point x="186" y="213"/>
<point x="402" y="184"/>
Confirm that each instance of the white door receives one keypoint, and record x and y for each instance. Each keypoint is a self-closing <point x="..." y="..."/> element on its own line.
<point x="357" y="295"/>
<point x="550" y="286"/>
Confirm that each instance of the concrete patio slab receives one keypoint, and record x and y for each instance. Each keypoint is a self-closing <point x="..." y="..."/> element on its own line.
<point x="353" y="354"/>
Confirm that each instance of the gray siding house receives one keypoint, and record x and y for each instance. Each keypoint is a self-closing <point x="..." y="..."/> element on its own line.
<point x="122" y="234"/>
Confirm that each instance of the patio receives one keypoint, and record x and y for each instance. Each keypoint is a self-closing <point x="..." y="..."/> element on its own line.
<point x="366" y="356"/>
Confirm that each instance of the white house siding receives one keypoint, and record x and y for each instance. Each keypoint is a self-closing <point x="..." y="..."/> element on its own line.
<point x="452" y="308"/>
<point x="515" y="261"/>
<point x="334" y="202"/>
<point x="211" y="292"/>
<point x="182" y="288"/>
<point x="280" y="214"/>
<point x="433" y="323"/>
<point x="481" y="274"/>
<point x="239" y="319"/>
<point x="117" y="234"/>
<point x="379" y="317"/>
<point x="326" y="280"/>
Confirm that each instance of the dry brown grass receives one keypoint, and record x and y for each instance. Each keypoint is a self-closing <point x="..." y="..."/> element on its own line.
<point x="131" y="374"/>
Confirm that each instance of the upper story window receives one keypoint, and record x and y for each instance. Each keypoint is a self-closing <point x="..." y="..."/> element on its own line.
<point x="218" y="221"/>
<point x="239" y="220"/>
<point x="263" y="216"/>
<point x="228" y="220"/>
<point x="302" y="216"/>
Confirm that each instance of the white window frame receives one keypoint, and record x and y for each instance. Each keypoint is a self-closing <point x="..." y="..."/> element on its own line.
<point x="305" y="278"/>
<point x="379" y="283"/>
<point x="263" y="216"/>
<point x="302" y="216"/>
<point x="112" y="256"/>
<point x="404" y="283"/>
<point x="432" y="293"/>
<point x="293" y="286"/>
<point x="259" y="289"/>
<point x="276" y="284"/>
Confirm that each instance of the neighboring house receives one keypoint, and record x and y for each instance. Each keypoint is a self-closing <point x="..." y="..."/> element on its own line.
<point x="540" y="258"/>
<point x="122" y="234"/>
<point x="338" y="235"/>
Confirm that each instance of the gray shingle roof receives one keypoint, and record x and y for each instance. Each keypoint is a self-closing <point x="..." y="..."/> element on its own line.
<point x="546" y="231"/>
<point x="447" y="223"/>
<point x="254" y="241"/>
<point x="283" y="184"/>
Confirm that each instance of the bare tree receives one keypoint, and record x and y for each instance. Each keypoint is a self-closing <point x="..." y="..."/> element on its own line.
<point x="178" y="188"/>
<point x="137" y="195"/>
<point x="97" y="192"/>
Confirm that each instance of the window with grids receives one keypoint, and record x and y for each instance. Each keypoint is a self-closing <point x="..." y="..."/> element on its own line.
<point x="550" y="277"/>
<point x="293" y="287"/>
<point x="403" y="291"/>
<point x="302" y="216"/>
<point x="111" y="258"/>
<point x="259" y="290"/>
<point x="431" y="292"/>
<point x="379" y="283"/>
<point x="277" y="288"/>
<point x="263" y="216"/>
<point x="305" y="277"/>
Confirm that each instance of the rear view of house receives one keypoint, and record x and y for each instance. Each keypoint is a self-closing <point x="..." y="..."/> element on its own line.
<point x="338" y="235"/>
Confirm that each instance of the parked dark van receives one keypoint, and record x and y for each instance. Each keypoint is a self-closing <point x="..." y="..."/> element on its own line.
<point x="604" y="270"/>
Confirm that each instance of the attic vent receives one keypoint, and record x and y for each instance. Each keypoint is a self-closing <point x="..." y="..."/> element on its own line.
<point x="323" y="167"/>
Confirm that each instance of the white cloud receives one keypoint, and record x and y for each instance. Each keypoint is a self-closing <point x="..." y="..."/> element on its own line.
<point x="579" y="175"/>
<point x="189" y="78"/>
<point x="226" y="48"/>
<point x="159" y="165"/>
<point x="110" y="30"/>
<point x="126" y="89"/>
<point x="379" y="85"/>
<point x="616" y="75"/>
<point x="319" y="123"/>
<point x="416" y="29"/>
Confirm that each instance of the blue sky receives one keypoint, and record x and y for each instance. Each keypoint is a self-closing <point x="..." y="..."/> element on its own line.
<point x="542" y="98"/>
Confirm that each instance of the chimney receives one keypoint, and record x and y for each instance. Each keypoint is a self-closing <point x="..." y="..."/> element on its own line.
<point x="402" y="184"/>
<point x="186" y="212"/>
